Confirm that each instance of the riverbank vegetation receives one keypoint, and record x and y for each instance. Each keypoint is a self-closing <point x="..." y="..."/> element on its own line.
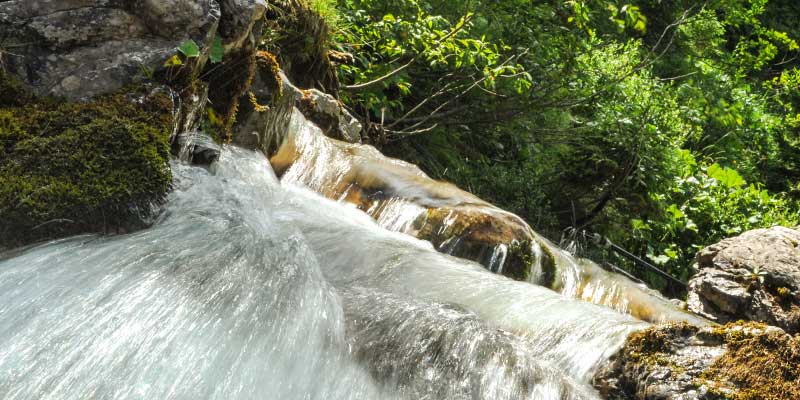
<point x="663" y="126"/>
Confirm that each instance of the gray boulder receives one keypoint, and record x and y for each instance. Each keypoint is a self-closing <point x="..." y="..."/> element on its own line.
<point x="330" y="115"/>
<point x="754" y="276"/>
<point x="78" y="49"/>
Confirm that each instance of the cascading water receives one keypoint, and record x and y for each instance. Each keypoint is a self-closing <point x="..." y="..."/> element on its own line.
<point x="402" y="198"/>
<point x="247" y="289"/>
<point x="216" y="301"/>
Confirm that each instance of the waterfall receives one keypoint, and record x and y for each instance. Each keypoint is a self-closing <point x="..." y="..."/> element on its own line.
<point x="249" y="288"/>
<point x="401" y="198"/>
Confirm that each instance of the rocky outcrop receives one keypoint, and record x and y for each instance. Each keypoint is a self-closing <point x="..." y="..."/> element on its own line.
<point x="99" y="161"/>
<point x="330" y="115"/>
<point x="682" y="362"/>
<point x="265" y="113"/>
<point x="754" y="276"/>
<point x="79" y="49"/>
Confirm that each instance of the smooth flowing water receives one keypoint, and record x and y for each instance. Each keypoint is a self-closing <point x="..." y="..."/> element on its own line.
<point x="400" y="197"/>
<point x="247" y="289"/>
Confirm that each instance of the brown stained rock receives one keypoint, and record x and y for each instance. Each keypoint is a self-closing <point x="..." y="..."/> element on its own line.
<point x="454" y="221"/>
<point x="742" y="361"/>
<point x="754" y="276"/>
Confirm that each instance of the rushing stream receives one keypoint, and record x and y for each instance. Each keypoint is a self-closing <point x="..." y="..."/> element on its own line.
<point x="401" y="198"/>
<point x="249" y="289"/>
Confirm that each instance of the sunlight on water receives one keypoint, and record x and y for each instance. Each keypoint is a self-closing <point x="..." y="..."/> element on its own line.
<point x="216" y="301"/>
<point x="400" y="198"/>
<point x="245" y="289"/>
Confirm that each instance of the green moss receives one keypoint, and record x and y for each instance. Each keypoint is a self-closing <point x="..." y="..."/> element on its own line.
<point x="520" y="261"/>
<point x="82" y="167"/>
<point x="12" y="92"/>
<point x="228" y="82"/>
<point x="763" y="365"/>
<point x="654" y="344"/>
<point x="299" y="33"/>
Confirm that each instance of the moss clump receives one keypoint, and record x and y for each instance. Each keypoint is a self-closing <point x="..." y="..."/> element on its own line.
<point x="269" y="71"/>
<point x="764" y="364"/>
<point x="298" y="33"/>
<point x="653" y="345"/>
<point x="82" y="167"/>
<point x="783" y="292"/>
<point x="12" y="92"/>
<point x="228" y="82"/>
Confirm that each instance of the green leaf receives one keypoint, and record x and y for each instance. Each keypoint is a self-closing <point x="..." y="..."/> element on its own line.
<point x="217" y="50"/>
<point x="189" y="49"/>
<point x="659" y="260"/>
<point x="726" y="176"/>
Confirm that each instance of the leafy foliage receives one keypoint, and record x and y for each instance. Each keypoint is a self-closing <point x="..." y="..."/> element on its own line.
<point x="664" y="126"/>
<point x="189" y="49"/>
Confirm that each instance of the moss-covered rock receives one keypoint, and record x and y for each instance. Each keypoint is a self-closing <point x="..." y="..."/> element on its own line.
<point x="761" y="363"/>
<point x="738" y="361"/>
<point x="69" y="168"/>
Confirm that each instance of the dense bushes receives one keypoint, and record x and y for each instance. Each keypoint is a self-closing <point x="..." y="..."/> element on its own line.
<point x="74" y="167"/>
<point x="664" y="127"/>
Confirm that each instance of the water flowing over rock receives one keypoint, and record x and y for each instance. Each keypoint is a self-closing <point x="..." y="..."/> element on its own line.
<point x="402" y="198"/>
<point x="78" y="49"/>
<point x="754" y="276"/>
<point x="246" y="287"/>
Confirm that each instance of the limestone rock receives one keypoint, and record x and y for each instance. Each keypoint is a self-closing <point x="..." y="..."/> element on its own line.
<point x="754" y="276"/>
<point x="79" y="49"/>
<point x="278" y="96"/>
<point x="682" y="362"/>
<point x="264" y="124"/>
<point x="239" y="18"/>
<point x="327" y="113"/>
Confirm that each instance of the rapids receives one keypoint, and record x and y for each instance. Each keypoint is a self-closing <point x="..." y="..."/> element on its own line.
<point x="248" y="288"/>
<point x="400" y="197"/>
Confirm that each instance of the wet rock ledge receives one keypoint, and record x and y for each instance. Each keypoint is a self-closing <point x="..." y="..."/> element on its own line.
<point x="753" y="277"/>
<point x="738" y="361"/>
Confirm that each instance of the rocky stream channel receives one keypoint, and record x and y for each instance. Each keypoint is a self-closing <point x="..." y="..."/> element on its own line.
<point x="209" y="224"/>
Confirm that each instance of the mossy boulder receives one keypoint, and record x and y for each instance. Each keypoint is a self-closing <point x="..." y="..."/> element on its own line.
<point x="737" y="361"/>
<point x="70" y="168"/>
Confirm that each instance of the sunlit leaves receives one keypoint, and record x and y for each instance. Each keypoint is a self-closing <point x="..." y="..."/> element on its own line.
<point x="189" y="49"/>
<point x="726" y="176"/>
<point x="438" y="45"/>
